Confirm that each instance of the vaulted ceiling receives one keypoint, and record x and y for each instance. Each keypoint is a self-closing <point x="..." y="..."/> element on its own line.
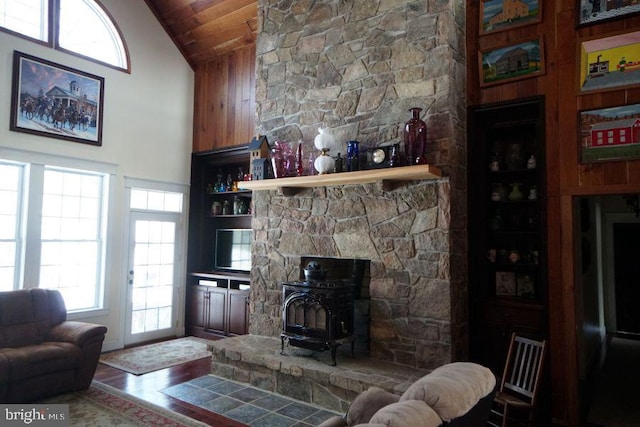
<point x="206" y="29"/>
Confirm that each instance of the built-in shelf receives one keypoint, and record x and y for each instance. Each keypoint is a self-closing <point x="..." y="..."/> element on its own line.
<point x="386" y="177"/>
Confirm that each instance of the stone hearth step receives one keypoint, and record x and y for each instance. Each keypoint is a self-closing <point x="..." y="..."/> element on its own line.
<point x="305" y="375"/>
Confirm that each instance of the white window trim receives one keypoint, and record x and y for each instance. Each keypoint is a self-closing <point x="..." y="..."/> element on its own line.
<point x="52" y="33"/>
<point x="36" y="162"/>
<point x="145" y="184"/>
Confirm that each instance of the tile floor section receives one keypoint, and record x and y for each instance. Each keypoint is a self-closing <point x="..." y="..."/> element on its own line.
<point x="246" y="404"/>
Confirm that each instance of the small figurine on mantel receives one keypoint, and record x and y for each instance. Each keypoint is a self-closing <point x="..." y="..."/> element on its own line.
<point x="259" y="157"/>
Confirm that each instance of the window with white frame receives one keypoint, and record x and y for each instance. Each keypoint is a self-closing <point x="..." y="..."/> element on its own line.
<point x="27" y="17"/>
<point x="72" y="236"/>
<point x="82" y="27"/>
<point x="65" y="225"/>
<point x="11" y="178"/>
<point x="155" y="200"/>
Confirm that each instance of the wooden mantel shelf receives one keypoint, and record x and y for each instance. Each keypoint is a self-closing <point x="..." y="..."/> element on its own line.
<point x="386" y="176"/>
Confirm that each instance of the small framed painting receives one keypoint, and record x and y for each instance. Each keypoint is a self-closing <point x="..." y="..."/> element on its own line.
<point x="512" y="62"/>
<point x="56" y="101"/>
<point x="499" y="15"/>
<point x="609" y="134"/>
<point x="595" y="11"/>
<point x="610" y="62"/>
<point x="505" y="283"/>
<point x="525" y="286"/>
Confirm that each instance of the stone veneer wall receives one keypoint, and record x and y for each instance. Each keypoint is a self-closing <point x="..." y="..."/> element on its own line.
<point x="357" y="66"/>
<point x="405" y="235"/>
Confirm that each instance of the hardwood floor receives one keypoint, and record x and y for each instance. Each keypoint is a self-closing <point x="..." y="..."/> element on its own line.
<point x="148" y="387"/>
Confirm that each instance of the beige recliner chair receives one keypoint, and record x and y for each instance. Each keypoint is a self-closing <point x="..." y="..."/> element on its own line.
<point x="458" y="394"/>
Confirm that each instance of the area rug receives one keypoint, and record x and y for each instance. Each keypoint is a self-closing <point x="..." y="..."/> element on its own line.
<point x="102" y="405"/>
<point x="152" y="357"/>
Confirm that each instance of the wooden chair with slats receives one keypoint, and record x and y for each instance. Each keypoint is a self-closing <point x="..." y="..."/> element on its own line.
<point x="520" y="381"/>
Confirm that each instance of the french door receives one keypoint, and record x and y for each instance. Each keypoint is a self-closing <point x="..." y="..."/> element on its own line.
<point x="152" y="279"/>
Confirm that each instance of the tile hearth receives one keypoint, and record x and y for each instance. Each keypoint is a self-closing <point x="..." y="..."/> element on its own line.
<point x="247" y="404"/>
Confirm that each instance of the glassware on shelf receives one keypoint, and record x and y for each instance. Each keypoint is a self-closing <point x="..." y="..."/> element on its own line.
<point x="353" y="160"/>
<point x="324" y="141"/>
<point x="394" y="156"/>
<point x="216" y="208"/>
<point x="218" y="187"/>
<point x="514" y="256"/>
<point x="227" y="208"/>
<point x="283" y="160"/>
<point x="324" y="163"/>
<point x="496" y="223"/>
<point x="494" y="165"/>
<point x="514" y="158"/>
<point x="311" y="170"/>
<point x="498" y="192"/>
<point x="338" y="164"/>
<point x="299" y="160"/>
<point x="516" y="192"/>
<point x="240" y="205"/>
<point x="415" y="138"/>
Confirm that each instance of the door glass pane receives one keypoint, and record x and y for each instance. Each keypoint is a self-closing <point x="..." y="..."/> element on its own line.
<point x="153" y="266"/>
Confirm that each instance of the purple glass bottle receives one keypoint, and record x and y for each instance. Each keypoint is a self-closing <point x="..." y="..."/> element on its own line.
<point x="415" y="138"/>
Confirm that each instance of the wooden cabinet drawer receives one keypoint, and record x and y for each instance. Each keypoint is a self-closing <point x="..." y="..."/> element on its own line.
<point x="529" y="316"/>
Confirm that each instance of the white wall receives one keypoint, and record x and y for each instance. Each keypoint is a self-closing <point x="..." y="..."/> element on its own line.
<point x="147" y="125"/>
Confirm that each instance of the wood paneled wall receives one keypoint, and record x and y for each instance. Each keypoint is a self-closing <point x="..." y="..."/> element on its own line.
<point x="566" y="177"/>
<point x="224" y="110"/>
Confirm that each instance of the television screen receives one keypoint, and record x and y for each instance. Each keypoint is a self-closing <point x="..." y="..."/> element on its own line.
<point x="233" y="249"/>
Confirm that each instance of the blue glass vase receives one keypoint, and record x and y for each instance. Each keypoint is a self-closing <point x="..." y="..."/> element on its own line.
<point x="353" y="161"/>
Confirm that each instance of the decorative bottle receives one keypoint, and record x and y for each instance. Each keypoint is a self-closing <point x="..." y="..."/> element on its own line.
<point x="514" y="157"/>
<point x="516" y="192"/>
<point x="338" y="164"/>
<point x="415" y="138"/>
<point x="353" y="151"/>
<point x="299" y="160"/>
<point x="393" y="157"/>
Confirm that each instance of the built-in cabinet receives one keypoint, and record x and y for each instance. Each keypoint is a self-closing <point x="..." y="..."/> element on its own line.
<point x="507" y="227"/>
<point x="218" y="279"/>
<point x="218" y="305"/>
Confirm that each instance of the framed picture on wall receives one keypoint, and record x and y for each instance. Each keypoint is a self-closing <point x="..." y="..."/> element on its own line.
<point x="594" y="11"/>
<point x="610" y="62"/>
<point x="511" y="62"/>
<point x="505" y="283"/>
<point x="56" y="101"/>
<point x="499" y="15"/>
<point x="525" y="286"/>
<point x="609" y="134"/>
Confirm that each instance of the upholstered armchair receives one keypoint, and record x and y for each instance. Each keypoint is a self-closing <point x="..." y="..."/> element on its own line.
<point x="41" y="353"/>
<point x="457" y="394"/>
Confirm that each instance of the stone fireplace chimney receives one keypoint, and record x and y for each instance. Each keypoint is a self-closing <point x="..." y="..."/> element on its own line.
<point x="357" y="67"/>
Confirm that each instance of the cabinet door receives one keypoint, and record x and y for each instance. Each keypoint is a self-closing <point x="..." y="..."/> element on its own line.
<point x="238" y="313"/>
<point x="507" y="228"/>
<point x="198" y="307"/>
<point x="217" y="309"/>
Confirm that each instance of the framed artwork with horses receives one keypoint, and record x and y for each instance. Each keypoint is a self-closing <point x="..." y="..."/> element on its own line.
<point x="56" y="101"/>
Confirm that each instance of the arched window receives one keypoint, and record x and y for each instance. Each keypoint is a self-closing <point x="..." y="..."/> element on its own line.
<point x="83" y="27"/>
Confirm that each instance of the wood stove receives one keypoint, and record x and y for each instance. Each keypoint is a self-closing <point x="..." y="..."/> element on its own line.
<point x="318" y="315"/>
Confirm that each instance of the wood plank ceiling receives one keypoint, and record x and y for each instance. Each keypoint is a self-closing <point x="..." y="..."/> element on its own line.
<point x="206" y="29"/>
